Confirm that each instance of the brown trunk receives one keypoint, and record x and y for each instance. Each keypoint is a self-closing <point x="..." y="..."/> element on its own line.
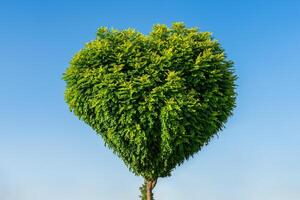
<point x="150" y="186"/>
<point x="149" y="191"/>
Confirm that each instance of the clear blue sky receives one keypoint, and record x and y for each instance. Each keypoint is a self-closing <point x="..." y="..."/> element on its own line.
<point x="46" y="153"/>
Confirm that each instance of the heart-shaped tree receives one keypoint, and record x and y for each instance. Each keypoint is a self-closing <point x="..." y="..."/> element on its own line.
<point x="155" y="99"/>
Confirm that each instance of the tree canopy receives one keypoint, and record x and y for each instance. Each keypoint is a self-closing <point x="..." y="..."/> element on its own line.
<point x="156" y="99"/>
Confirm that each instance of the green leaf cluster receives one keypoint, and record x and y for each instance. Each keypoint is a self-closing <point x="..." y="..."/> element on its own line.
<point x="155" y="99"/>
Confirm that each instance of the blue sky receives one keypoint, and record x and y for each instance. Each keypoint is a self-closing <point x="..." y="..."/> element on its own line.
<point x="47" y="153"/>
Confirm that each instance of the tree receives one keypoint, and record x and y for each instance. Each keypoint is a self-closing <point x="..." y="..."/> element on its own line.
<point x="155" y="99"/>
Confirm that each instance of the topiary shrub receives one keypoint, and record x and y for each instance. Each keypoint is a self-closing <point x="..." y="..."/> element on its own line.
<point x="155" y="99"/>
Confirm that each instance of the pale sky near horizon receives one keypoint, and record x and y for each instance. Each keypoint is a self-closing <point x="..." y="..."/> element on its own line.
<point x="46" y="153"/>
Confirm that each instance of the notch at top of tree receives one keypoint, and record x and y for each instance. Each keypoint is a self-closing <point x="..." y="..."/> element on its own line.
<point x="155" y="99"/>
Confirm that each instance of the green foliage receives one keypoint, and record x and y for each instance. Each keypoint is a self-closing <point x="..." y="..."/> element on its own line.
<point x="155" y="99"/>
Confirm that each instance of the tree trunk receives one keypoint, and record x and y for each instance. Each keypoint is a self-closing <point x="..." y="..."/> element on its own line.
<point x="149" y="190"/>
<point x="150" y="185"/>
